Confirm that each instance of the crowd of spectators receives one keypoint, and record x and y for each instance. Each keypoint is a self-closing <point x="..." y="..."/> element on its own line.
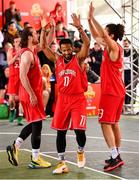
<point x="14" y="26"/>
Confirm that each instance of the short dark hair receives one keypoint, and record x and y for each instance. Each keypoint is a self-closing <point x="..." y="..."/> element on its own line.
<point x="59" y="22"/>
<point x="26" y="23"/>
<point x="65" y="41"/>
<point x="77" y="44"/>
<point x="24" y="36"/>
<point x="12" y="2"/>
<point x="11" y="22"/>
<point x="126" y="39"/>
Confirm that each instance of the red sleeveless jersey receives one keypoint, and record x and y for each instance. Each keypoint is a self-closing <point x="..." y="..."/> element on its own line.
<point x="111" y="75"/>
<point x="35" y="79"/>
<point x="14" y="67"/>
<point x="71" y="79"/>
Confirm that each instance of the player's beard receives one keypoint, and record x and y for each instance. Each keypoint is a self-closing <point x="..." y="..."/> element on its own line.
<point x="35" y="42"/>
<point x="68" y="57"/>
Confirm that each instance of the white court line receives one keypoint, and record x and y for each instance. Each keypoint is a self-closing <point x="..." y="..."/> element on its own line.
<point x="68" y="135"/>
<point x="2" y="150"/>
<point x="55" y="152"/>
<point x="76" y="165"/>
<point x="123" y="152"/>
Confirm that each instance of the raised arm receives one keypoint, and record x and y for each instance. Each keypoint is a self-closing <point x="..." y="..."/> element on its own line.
<point x="93" y="29"/>
<point x="45" y="42"/>
<point x="51" y="35"/>
<point x="107" y="38"/>
<point x="86" y="42"/>
<point x="103" y="36"/>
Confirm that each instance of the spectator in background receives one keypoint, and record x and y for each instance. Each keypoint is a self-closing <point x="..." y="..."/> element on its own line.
<point x="87" y="32"/>
<point x="57" y="14"/>
<point x="13" y="14"/>
<point x="46" y="74"/>
<point x="1" y="39"/>
<point x="26" y="24"/>
<point x="3" y="57"/>
<point x="96" y="58"/>
<point x="3" y="65"/>
<point x="127" y="68"/>
<point x="3" y="82"/>
<point x="11" y="33"/>
<point x="92" y="77"/>
<point x="61" y="33"/>
<point x="3" y="54"/>
<point x="77" y="46"/>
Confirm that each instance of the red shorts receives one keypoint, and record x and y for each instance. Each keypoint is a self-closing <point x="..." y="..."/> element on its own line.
<point x="33" y="113"/>
<point x="13" y="85"/>
<point x="110" y="109"/>
<point x="70" y="112"/>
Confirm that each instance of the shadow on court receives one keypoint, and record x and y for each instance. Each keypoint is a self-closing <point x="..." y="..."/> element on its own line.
<point x="96" y="152"/>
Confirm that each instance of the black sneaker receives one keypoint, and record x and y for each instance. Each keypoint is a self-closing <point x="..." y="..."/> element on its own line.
<point x="107" y="161"/>
<point x="113" y="164"/>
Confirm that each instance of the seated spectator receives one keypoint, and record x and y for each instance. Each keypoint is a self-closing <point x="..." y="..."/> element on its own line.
<point x="61" y="33"/>
<point x="13" y="14"/>
<point x="57" y="14"/>
<point x="11" y="33"/>
<point x="92" y="77"/>
<point x="96" y="58"/>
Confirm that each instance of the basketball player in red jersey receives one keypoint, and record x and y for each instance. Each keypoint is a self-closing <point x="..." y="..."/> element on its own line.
<point x="30" y="95"/>
<point x="13" y="82"/>
<point x="112" y="86"/>
<point x="70" y="112"/>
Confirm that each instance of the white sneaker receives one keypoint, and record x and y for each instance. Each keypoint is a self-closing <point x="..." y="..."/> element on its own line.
<point x="81" y="159"/>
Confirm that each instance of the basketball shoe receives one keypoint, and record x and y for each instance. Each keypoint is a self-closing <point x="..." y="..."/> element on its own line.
<point x="39" y="163"/>
<point x="81" y="159"/>
<point x="61" y="168"/>
<point x="12" y="153"/>
<point x="113" y="163"/>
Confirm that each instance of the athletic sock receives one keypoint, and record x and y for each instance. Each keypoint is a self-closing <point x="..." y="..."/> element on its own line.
<point x="114" y="152"/>
<point x="18" y="142"/>
<point x="119" y="150"/>
<point x="80" y="149"/>
<point x="35" y="154"/>
<point x="61" y="156"/>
